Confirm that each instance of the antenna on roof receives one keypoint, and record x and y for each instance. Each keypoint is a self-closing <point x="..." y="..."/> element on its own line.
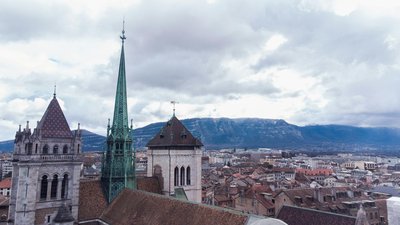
<point x="173" y="106"/>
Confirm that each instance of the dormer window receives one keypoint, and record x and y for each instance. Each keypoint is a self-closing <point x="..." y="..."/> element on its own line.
<point x="161" y="135"/>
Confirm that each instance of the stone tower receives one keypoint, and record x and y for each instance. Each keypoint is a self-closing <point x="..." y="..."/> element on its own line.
<point x="175" y="156"/>
<point x="118" y="171"/>
<point x="46" y="171"/>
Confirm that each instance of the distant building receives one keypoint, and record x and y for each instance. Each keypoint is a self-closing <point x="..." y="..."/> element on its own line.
<point x="6" y="168"/>
<point x="5" y="187"/>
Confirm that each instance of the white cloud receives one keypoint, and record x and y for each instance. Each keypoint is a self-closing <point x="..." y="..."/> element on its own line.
<point x="303" y="61"/>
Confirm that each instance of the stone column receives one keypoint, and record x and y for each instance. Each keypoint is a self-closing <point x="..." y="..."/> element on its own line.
<point x="59" y="189"/>
<point x="48" y="189"/>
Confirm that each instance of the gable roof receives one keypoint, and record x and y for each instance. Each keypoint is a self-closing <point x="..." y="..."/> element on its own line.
<point x="174" y="134"/>
<point x="53" y="123"/>
<point x="302" y="216"/>
<point x="138" y="207"/>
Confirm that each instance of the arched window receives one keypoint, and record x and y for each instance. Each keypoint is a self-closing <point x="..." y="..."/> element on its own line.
<point x="45" y="149"/>
<point x="54" y="183"/>
<point x="188" y="175"/>
<point x="65" y="149"/>
<point x="78" y="148"/>
<point x="176" y="176"/>
<point x="182" y="176"/>
<point x="55" y="149"/>
<point x="36" y="147"/>
<point x="64" y="186"/>
<point x="43" y="188"/>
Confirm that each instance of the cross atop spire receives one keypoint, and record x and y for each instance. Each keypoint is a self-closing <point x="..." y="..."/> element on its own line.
<point x="123" y="37"/>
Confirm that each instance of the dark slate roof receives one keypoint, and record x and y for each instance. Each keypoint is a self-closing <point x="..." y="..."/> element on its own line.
<point x="139" y="207"/>
<point x="53" y="123"/>
<point x="92" y="201"/>
<point x="174" y="134"/>
<point x="63" y="215"/>
<point x="303" y="216"/>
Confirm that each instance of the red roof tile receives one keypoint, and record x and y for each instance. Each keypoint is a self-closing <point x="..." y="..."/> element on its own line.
<point x="149" y="184"/>
<point x="5" y="183"/>
<point x="143" y="208"/>
<point x="302" y="216"/>
<point x="92" y="201"/>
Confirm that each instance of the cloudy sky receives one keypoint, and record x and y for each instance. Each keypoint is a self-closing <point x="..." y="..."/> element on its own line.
<point x="308" y="62"/>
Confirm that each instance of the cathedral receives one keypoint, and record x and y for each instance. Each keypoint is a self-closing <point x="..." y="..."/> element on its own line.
<point x="46" y="180"/>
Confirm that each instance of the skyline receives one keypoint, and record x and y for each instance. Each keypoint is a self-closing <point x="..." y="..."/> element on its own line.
<point x="307" y="62"/>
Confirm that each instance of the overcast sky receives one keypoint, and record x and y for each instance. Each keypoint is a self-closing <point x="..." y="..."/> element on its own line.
<point x="308" y="62"/>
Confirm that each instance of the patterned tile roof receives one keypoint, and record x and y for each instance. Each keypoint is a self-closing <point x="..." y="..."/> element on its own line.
<point x="174" y="134"/>
<point x="53" y="123"/>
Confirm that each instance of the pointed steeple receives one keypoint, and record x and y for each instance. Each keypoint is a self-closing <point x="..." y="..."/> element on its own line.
<point x="118" y="170"/>
<point x="53" y="123"/>
<point x="120" y="119"/>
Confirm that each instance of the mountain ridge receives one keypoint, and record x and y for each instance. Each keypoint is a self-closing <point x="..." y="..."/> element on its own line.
<point x="217" y="133"/>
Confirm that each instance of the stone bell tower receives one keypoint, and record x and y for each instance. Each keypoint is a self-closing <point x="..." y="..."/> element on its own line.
<point x="175" y="155"/>
<point x="46" y="171"/>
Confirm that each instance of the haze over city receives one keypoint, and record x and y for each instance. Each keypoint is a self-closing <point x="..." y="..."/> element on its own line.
<point x="308" y="62"/>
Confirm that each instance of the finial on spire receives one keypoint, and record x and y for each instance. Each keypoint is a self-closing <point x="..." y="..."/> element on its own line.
<point x="55" y="91"/>
<point x="173" y="106"/>
<point x="131" y="124"/>
<point x="123" y="37"/>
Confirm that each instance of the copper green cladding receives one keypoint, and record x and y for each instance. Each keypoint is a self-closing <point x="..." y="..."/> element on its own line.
<point x="118" y="171"/>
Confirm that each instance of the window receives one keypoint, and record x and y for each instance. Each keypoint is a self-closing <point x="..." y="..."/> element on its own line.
<point x="65" y="149"/>
<point x="54" y="184"/>
<point x="43" y="188"/>
<point x="48" y="219"/>
<point x="64" y="186"/>
<point x="55" y="149"/>
<point x="78" y="148"/>
<point x="182" y="176"/>
<point x="36" y="148"/>
<point x="188" y="175"/>
<point x="45" y="149"/>
<point x="176" y="176"/>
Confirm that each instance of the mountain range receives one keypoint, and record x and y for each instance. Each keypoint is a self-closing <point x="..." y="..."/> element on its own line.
<point x="218" y="133"/>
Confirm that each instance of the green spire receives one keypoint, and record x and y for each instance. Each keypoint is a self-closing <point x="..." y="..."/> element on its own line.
<point x="118" y="169"/>
<point x="120" y="120"/>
